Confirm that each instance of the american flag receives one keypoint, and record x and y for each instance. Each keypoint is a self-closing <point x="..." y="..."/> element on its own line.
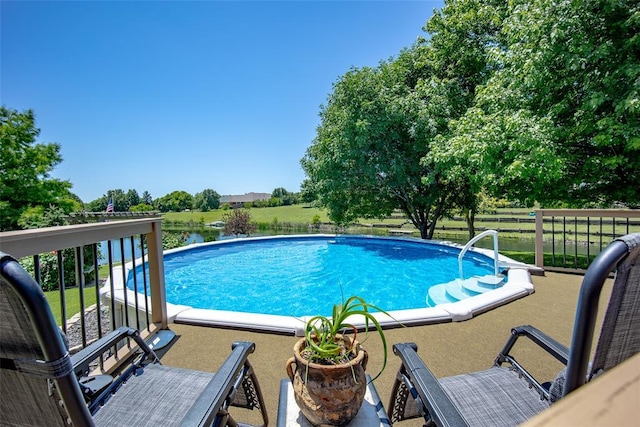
<point x="110" y="205"/>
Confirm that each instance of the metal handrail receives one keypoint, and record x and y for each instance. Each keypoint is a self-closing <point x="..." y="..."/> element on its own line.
<point x="475" y="239"/>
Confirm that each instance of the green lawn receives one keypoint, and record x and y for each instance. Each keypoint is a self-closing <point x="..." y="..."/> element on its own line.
<point x="301" y="214"/>
<point x="72" y="297"/>
<point x="298" y="214"/>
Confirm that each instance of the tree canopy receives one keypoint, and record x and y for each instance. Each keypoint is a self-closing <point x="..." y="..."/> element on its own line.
<point x="557" y="119"/>
<point x="206" y="200"/>
<point x="370" y="155"/>
<point x="25" y="167"/>
<point x="146" y="198"/>
<point x="280" y="196"/>
<point x="121" y="201"/>
<point x="530" y="100"/>
<point x="365" y="159"/>
<point x="176" y="201"/>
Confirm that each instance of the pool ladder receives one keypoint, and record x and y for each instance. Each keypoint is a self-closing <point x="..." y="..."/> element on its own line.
<point x="475" y="239"/>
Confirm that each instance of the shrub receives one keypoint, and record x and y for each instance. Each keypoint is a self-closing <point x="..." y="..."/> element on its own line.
<point x="172" y="240"/>
<point x="48" y="262"/>
<point x="239" y="222"/>
<point x="48" y="265"/>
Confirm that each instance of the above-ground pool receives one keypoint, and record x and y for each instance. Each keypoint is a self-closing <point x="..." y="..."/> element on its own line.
<point x="276" y="283"/>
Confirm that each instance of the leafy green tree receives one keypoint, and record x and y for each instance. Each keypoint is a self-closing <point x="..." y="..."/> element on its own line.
<point x="316" y="222"/>
<point x="279" y="193"/>
<point x="585" y="77"/>
<point x="97" y="205"/>
<point x="132" y="198"/>
<point x="207" y="200"/>
<point x="71" y="203"/>
<point x="25" y="168"/>
<point x="142" y="207"/>
<point x="307" y="192"/>
<point x="280" y="196"/>
<point x="31" y="217"/>
<point x="462" y="35"/>
<point x="176" y="201"/>
<point x="38" y="217"/>
<point x="366" y="158"/>
<point x="558" y="120"/>
<point x="238" y="221"/>
<point x="146" y="198"/>
<point x="120" y="201"/>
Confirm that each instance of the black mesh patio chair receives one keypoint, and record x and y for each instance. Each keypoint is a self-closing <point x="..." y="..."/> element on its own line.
<point x="39" y="382"/>
<point x="506" y="394"/>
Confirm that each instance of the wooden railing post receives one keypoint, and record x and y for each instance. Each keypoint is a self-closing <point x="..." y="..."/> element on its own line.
<point x="156" y="276"/>
<point x="539" y="238"/>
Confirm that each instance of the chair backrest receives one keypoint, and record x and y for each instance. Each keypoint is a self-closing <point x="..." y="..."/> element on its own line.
<point x="620" y="334"/>
<point x="36" y="374"/>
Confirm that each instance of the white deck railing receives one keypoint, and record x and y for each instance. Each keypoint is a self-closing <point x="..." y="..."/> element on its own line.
<point x="35" y="242"/>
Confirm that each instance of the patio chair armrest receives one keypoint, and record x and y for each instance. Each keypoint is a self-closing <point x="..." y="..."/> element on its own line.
<point x="84" y="357"/>
<point x="437" y="402"/>
<point x="549" y="344"/>
<point x="217" y="392"/>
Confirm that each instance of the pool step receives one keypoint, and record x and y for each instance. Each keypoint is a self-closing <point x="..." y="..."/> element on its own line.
<point x="480" y="284"/>
<point x="437" y="294"/>
<point x="491" y="281"/>
<point x="459" y="289"/>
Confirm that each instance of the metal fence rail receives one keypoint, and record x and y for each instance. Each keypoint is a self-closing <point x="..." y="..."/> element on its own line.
<point x="572" y="238"/>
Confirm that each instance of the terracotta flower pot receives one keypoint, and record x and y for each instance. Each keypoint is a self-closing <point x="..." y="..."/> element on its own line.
<point x="328" y="394"/>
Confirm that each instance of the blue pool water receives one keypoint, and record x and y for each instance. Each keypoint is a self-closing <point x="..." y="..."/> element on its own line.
<point x="307" y="275"/>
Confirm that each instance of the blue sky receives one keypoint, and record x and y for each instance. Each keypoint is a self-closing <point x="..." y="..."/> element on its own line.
<point x="163" y="96"/>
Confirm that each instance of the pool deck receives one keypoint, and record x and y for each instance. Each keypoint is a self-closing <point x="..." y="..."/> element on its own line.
<point x="448" y="348"/>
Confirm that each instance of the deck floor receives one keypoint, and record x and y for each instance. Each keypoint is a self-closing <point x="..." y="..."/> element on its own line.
<point x="448" y="348"/>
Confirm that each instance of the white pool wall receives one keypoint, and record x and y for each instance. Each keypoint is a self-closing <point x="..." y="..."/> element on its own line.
<point x="518" y="285"/>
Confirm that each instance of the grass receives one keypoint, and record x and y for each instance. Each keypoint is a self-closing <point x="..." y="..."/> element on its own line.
<point x="302" y="214"/>
<point x="72" y="298"/>
<point x="298" y="214"/>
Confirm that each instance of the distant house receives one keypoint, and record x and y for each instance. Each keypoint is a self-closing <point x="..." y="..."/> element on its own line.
<point x="239" y="201"/>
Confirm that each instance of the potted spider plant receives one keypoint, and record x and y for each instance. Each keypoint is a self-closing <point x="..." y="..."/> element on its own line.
<point x="327" y="369"/>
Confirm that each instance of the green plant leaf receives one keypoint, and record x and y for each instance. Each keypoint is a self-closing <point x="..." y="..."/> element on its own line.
<point x="321" y="332"/>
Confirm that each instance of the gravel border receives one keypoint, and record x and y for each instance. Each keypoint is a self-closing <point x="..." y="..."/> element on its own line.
<point x="74" y="327"/>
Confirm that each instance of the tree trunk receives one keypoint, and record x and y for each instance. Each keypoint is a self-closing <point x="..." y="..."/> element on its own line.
<point x="424" y="231"/>
<point x="470" y="217"/>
